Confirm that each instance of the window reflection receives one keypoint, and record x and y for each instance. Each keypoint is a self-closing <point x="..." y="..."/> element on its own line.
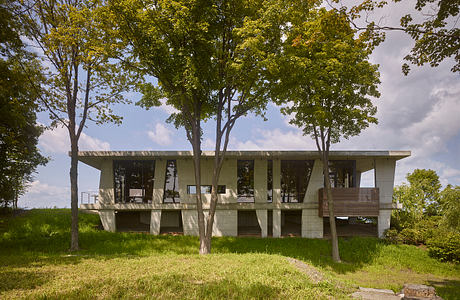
<point x="269" y="180"/>
<point x="342" y="173"/>
<point x="245" y="180"/>
<point x="295" y="175"/>
<point x="171" y="191"/>
<point x="205" y="189"/>
<point x="133" y="180"/>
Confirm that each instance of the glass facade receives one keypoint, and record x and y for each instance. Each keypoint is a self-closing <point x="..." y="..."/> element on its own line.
<point x="133" y="180"/>
<point x="342" y="173"/>
<point x="269" y="180"/>
<point x="205" y="189"/>
<point x="295" y="175"/>
<point x="171" y="190"/>
<point x="245" y="180"/>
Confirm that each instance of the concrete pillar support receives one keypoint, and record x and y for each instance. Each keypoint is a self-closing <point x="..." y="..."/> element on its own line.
<point x="384" y="180"/>
<point x="155" y="221"/>
<point x="312" y="225"/>
<point x="262" y="218"/>
<point x="276" y="223"/>
<point x="108" y="219"/>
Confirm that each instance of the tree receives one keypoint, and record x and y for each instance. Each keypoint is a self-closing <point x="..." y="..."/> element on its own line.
<point x="421" y="197"/>
<point x="19" y="131"/>
<point x="436" y="36"/>
<point x="324" y="82"/>
<point x="451" y="206"/>
<point x="210" y="60"/>
<point x="82" y="81"/>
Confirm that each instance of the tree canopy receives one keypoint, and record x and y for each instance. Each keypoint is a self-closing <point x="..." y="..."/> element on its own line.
<point x="82" y="78"/>
<point x="19" y="132"/>
<point x="433" y="28"/>
<point x="210" y="60"/>
<point x="324" y="82"/>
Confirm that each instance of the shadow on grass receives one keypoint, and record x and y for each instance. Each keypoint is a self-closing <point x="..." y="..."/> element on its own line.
<point x="447" y="289"/>
<point x="46" y="234"/>
<point x="23" y="280"/>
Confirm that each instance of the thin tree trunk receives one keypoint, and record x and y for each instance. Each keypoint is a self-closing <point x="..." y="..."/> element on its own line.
<point x="74" y="193"/>
<point x="196" y="145"/>
<point x="330" y="201"/>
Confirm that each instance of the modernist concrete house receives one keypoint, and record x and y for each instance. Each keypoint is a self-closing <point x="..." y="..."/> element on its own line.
<point x="264" y="193"/>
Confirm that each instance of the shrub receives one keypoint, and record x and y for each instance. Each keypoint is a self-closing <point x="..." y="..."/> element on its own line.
<point x="445" y="246"/>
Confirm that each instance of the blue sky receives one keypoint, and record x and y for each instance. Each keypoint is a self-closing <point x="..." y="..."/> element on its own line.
<point x="419" y="112"/>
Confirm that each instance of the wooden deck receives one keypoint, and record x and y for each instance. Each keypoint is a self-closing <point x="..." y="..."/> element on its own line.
<point x="350" y="202"/>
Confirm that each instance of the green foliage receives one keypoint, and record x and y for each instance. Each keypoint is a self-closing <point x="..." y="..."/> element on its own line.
<point x="445" y="245"/>
<point x="19" y="132"/>
<point x="436" y="35"/>
<point x="78" y="48"/>
<point x="420" y="198"/>
<point x="451" y="207"/>
<point x="325" y="79"/>
<point x="36" y="263"/>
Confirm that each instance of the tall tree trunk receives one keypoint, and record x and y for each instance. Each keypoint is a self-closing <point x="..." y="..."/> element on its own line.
<point x="330" y="202"/>
<point x="74" y="193"/>
<point x="196" y="146"/>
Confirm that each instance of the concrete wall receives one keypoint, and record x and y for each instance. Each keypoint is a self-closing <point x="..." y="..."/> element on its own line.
<point x="106" y="184"/>
<point x="312" y="224"/>
<point x="226" y="222"/>
<point x="384" y="179"/>
<point x="108" y="220"/>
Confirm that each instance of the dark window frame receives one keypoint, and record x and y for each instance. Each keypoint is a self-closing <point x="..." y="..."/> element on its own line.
<point x="333" y="171"/>
<point x="270" y="180"/>
<point x="248" y="194"/>
<point x="127" y="169"/>
<point x="294" y="169"/>
<point x="171" y="195"/>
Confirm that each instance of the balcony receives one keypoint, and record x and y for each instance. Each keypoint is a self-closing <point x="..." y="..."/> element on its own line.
<point x="350" y="202"/>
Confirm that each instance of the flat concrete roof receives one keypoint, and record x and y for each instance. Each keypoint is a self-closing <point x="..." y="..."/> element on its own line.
<point x="94" y="158"/>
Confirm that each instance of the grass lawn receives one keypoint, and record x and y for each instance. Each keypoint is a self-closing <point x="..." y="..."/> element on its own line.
<point x="35" y="263"/>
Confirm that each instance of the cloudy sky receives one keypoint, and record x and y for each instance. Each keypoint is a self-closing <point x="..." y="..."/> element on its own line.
<point x="419" y="112"/>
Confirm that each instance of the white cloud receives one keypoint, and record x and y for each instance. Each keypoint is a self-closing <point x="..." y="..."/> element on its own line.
<point x="167" y="108"/>
<point x="208" y="144"/>
<point x="57" y="141"/>
<point x="40" y="195"/>
<point x="161" y="135"/>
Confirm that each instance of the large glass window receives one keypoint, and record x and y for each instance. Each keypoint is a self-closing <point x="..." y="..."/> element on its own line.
<point x="295" y="175"/>
<point x="245" y="180"/>
<point x="269" y="180"/>
<point x="133" y="180"/>
<point x="342" y="173"/>
<point x="171" y="191"/>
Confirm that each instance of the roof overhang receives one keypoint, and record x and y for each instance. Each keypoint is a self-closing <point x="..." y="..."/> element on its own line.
<point x="95" y="158"/>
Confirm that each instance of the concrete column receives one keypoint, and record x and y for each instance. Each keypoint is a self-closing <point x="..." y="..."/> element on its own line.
<point x="262" y="218"/>
<point x="276" y="182"/>
<point x="106" y="188"/>
<point x="159" y="182"/>
<point x="225" y="223"/>
<point x="312" y="225"/>
<point x="384" y="179"/>
<point x="276" y="223"/>
<point x="383" y="221"/>
<point x="108" y="220"/>
<point x="260" y="180"/>
<point x="155" y="221"/>
<point x="190" y="222"/>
